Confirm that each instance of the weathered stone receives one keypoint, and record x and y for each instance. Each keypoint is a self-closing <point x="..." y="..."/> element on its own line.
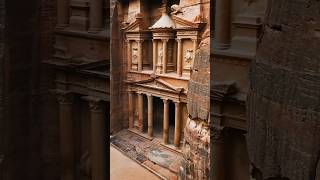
<point x="284" y="109"/>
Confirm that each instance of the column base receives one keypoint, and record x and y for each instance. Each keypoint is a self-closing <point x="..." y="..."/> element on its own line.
<point x="173" y="148"/>
<point x="140" y="134"/>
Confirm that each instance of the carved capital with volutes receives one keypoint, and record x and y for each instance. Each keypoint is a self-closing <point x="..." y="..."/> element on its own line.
<point x="63" y="97"/>
<point x="217" y="134"/>
<point x="95" y="104"/>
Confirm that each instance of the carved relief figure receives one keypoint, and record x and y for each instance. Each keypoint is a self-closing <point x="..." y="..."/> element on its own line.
<point x="160" y="56"/>
<point x="188" y="58"/>
<point x="135" y="55"/>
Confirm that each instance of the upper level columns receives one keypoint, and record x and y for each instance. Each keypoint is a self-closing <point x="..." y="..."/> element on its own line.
<point x="154" y="56"/>
<point x="139" y="55"/>
<point x="165" y="55"/>
<point x="179" y="57"/>
<point x="63" y="13"/>
<point x="96" y="15"/>
<point x="223" y="24"/>
<point x="129" y="54"/>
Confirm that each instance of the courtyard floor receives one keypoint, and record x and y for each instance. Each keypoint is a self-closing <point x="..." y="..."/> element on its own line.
<point x="148" y="153"/>
<point x="124" y="168"/>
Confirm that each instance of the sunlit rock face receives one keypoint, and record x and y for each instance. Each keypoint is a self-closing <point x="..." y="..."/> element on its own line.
<point x="197" y="132"/>
<point x="284" y="109"/>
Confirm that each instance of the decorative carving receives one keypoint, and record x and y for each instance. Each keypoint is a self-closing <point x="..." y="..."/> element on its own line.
<point x="95" y="105"/>
<point x="176" y="9"/>
<point x="64" y="97"/>
<point x="160" y="56"/>
<point x="188" y="58"/>
<point x="135" y="55"/>
<point x="216" y="134"/>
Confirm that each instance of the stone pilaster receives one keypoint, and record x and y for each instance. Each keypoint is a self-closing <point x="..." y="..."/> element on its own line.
<point x="140" y="63"/>
<point x="223" y="24"/>
<point x="165" y="55"/>
<point x="179" y="57"/>
<point x="63" y="8"/>
<point x="217" y="157"/>
<point x="66" y="135"/>
<point x="98" y="139"/>
<point x="96" y="15"/>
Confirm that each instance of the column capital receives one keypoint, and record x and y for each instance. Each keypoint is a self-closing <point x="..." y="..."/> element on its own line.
<point x="154" y="40"/>
<point x="165" y="100"/>
<point x="217" y="133"/>
<point x="165" y="40"/>
<point x="64" y="97"/>
<point x="139" y="40"/>
<point x="179" y="40"/>
<point x="149" y="95"/>
<point x="95" y="104"/>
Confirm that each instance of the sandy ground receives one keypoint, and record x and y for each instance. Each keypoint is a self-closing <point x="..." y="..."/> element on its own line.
<point x="123" y="168"/>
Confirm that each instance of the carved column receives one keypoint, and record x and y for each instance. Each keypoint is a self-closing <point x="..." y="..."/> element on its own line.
<point x="150" y="115"/>
<point x="131" y="110"/>
<point x="66" y="135"/>
<point x="140" y="55"/>
<point x="62" y="13"/>
<point x="165" y="55"/>
<point x="223" y="24"/>
<point x="98" y="137"/>
<point x="129" y="55"/>
<point x="217" y="153"/>
<point x="155" y="54"/>
<point x="140" y="111"/>
<point x="96" y="15"/>
<point x="179" y="58"/>
<point x="178" y="124"/>
<point x="195" y="44"/>
<point x="165" y="121"/>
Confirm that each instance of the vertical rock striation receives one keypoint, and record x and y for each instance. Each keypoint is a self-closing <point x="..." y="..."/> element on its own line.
<point x="283" y="104"/>
<point x="197" y="132"/>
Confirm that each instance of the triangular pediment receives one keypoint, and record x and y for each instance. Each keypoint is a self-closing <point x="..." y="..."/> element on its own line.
<point x="184" y="24"/>
<point x="156" y="83"/>
<point x="136" y="25"/>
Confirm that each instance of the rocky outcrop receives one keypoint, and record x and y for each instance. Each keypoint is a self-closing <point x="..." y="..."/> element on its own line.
<point x="196" y="150"/>
<point x="284" y="105"/>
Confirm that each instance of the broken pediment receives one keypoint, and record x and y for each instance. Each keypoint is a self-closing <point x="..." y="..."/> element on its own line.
<point x="137" y="25"/>
<point x="156" y="83"/>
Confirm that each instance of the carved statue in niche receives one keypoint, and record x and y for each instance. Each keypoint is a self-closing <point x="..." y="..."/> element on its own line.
<point x="135" y="55"/>
<point x="160" y="56"/>
<point x="188" y="58"/>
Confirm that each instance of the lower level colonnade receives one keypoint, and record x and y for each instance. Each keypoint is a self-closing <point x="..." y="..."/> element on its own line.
<point x="132" y="95"/>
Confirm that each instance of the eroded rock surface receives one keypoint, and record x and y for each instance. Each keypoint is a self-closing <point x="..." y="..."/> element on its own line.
<point x="284" y="105"/>
<point x="197" y="133"/>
